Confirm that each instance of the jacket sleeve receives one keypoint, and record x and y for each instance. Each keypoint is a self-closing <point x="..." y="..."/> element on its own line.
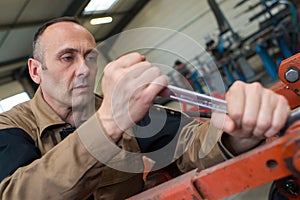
<point x="70" y="170"/>
<point x="17" y="149"/>
<point x="191" y="142"/>
<point x="200" y="146"/>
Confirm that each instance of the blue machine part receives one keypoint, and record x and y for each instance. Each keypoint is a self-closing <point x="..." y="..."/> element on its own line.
<point x="269" y="64"/>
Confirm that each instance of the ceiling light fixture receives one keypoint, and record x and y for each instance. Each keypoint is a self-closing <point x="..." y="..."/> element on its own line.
<point x="101" y="20"/>
<point x="98" y="6"/>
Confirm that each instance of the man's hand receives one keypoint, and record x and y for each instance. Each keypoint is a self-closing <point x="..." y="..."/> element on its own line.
<point x="254" y="113"/>
<point x="129" y="86"/>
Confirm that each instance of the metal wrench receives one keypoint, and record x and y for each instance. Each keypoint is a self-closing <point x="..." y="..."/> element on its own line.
<point x="194" y="98"/>
<point x="212" y="103"/>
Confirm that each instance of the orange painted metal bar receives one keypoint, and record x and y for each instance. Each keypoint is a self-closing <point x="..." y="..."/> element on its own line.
<point x="290" y="95"/>
<point x="256" y="167"/>
<point x="288" y="72"/>
<point x="179" y="188"/>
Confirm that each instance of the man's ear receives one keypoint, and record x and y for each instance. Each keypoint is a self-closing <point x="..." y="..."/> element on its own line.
<point x="33" y="67"/>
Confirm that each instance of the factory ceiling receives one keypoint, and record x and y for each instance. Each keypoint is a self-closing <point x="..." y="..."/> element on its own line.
<point x="19" y="19"/>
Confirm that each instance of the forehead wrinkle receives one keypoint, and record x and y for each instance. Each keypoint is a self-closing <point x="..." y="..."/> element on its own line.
<point x="68" y="50"/>
<point x="74" y="50"/>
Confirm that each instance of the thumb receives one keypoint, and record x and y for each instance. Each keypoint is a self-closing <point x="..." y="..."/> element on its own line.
<point x="222" y="121"/>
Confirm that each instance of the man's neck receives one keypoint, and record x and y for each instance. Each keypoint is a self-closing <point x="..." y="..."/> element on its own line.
<point x="74" y="116"/>
<point x="77" y="116"/>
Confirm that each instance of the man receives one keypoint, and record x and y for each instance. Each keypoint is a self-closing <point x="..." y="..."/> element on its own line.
<point x="38" y="161"/>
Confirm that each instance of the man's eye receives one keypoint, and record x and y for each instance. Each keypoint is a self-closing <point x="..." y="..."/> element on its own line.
<point x="91" y="58"/>
<point x="67" y="58"/>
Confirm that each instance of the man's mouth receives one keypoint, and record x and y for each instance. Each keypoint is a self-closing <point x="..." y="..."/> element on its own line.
<point x="81" y="88"/>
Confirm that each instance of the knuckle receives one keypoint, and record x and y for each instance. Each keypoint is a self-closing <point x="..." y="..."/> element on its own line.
<point x="235" y="115"/>
<point x="237" y="85"/>
<point x="256" y="87"/>
<point x="146" y="99"/>
<point x="135" y="54"/>
<point x="249" y="122"/>
<point x="106" y="72"/>
<point x="269" y="94"/>
<point x="276" y="127"/>
<point x="111" y="68"/>
<point x="147" y="64"/>
<point x="270" y="132"/>
<point x="264" y="125"/>
<point x="156" y="70"/>
<point x="132" y="55"/>
<point x="258" y="132"/>
<point x="108" y="67"/>
<point x="282" y="100"/>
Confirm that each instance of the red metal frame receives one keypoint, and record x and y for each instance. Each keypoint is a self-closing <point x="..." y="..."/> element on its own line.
<point x="249" y="170"/>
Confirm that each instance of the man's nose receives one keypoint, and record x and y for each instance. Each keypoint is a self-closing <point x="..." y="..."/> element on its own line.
<point x="83" y="69"/>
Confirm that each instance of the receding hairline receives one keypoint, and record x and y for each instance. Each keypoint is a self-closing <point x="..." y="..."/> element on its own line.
<point x="40" y="31"/>
<point x="44" y="26"/>
<point x="38" y="49"/>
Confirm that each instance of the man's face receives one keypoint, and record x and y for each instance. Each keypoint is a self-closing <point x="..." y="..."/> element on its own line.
<point x="71" y="60"/>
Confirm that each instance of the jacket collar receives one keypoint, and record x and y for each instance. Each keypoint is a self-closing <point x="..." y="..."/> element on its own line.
<point x="46" y="116"/>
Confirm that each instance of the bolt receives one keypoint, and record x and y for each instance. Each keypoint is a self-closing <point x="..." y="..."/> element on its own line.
<point x="292" y="75"/>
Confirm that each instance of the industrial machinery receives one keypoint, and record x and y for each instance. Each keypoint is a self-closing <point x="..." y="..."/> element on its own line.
<point x="277" y="160"/>
<point x="277" y="38"/>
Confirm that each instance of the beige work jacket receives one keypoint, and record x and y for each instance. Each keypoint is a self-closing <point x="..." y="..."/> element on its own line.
<point x="76" y="167"/>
